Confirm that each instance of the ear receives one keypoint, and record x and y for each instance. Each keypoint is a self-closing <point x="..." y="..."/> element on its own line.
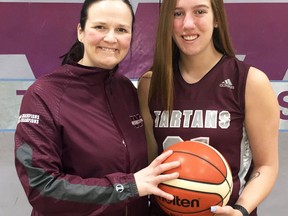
<point x="215" y="23"/>
<point x="79" y="33"/>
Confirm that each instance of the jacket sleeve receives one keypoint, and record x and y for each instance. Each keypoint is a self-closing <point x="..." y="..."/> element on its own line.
<point x="38" y="150"/>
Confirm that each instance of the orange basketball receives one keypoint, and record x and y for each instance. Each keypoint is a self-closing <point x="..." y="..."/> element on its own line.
<point x="205" y="180"/>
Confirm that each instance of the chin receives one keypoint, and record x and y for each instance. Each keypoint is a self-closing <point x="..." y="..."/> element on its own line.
<point x="108" y="66"/>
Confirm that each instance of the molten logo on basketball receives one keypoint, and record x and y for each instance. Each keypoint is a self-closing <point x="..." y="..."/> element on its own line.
<point x="178" y="201"/>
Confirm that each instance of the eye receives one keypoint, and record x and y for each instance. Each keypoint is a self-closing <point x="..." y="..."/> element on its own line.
<point x="200" y="12"/>
<point x="99" y="27"/>
<point x="178" y="13"/>
<point x="122" y="30"/>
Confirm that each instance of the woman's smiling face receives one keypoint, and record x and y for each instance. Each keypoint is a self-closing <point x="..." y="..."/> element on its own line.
<point x="107" y="34"/>
<point x="193" y="26"/>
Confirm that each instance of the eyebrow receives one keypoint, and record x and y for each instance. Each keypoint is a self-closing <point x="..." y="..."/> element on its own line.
<point x="104" y="23"/>
<point x="194" y="7"/>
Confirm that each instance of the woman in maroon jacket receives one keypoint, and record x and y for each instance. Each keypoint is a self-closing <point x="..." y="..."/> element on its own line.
<point x="80" y="146"/>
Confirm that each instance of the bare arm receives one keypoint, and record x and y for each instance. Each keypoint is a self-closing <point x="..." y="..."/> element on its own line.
<point x="143" y="93"/>
<point x="262" y="125"/>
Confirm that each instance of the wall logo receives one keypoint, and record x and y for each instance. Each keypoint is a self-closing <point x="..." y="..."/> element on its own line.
<point x="281" y="89"/>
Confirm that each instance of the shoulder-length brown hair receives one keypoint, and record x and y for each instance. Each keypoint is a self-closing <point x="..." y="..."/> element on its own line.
<point x="166" y="53"/>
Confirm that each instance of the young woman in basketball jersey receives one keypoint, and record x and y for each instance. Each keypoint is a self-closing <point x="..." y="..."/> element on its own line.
<point x="80" y="142"/>
<point x="198" y="90"/>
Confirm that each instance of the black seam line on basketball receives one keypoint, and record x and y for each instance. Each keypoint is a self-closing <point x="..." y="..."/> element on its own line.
<point x="202" y="159"/>
<point x="207" y="162"/>
<point x="172" y="186"/>
<point x="203" y="182"/>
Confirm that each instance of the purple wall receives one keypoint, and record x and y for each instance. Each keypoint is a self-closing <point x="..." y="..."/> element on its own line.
<point x="44" y="31"/>
<point x="259" y="31"/>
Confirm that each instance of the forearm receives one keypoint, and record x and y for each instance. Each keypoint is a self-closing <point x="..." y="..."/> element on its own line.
<point x="258" y="187"/>
<point x="70" y="193"/>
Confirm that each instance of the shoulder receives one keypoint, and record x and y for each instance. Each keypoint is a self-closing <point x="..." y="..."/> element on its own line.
<point x="233" y="64"/>
<point x="256" y="74"/>
<point x="259" y="91"/>
<point x="257" y="79"/>
<point x="147" y="75"/>
<point x="233" y="68"/>
<point x="144" y="81"/>
<point x="48" y="84"/>
<point x="258" y="86"/>
<point x="123" y="82"/>
<point x="143" y="89"/>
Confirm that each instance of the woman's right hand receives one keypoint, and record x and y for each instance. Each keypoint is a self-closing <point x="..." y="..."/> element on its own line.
<point x="148" y="179"/>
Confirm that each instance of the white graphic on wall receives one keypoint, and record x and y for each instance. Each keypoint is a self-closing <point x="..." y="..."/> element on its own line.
<point x="16" y="77"/>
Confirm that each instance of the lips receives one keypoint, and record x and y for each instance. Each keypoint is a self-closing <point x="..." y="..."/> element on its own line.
<point x="190" y="37"/>
<point x="106" y="49"/>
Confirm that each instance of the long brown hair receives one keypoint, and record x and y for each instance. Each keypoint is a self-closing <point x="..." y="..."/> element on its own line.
<point x="166" y="53"/>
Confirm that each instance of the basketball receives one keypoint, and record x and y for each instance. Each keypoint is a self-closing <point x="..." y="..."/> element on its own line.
<point x="205" y="180"/>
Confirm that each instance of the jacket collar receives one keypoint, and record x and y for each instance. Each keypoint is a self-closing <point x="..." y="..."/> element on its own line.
<point x="92" y="75"/>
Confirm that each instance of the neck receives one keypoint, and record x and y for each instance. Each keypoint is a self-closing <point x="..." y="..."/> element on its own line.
<point x="194" y="68"/>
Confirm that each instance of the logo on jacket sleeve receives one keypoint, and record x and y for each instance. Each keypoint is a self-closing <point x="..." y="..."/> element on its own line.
<point x="29" y="118"/>
<point x="119" y="188"/>
<point x="136" y="120"/>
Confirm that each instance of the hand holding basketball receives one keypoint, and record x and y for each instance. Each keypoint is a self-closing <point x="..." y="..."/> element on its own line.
<point x="226" y="210"/>
<point x="148" y="179"/>
<point x="205" y="180"/>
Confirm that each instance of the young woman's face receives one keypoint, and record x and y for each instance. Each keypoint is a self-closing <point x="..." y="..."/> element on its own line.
<point x="193" y="26"/>
<point x="107" y="34"/>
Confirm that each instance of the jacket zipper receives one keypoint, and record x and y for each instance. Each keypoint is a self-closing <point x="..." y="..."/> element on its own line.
<point x="116" y="125"/>
<point x="115" y="122"/>
<point x="118" y="129"/>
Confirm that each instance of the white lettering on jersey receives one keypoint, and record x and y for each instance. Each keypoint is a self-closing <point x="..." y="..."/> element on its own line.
<point x="192" y="119"/>
<point x="197" y="121"/>
<point x="225" y="119"/>
<point x="187" y="115"/>
<point x="211" y="119"/>
<point x="171" y="140"/>
<point x="164" y="120"/>
<point x="176" y="119"/>
<point x="29" y="118"/>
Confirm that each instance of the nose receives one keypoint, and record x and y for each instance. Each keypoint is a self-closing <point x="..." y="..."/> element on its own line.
<point x="188" y="22"/>
<point x="110" y="37"/>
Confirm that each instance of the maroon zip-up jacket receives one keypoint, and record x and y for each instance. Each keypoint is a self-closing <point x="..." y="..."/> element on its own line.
<point x="78" y="141"/>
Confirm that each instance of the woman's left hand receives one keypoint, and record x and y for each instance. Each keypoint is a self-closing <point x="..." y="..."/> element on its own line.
<point x="225" y="211"/>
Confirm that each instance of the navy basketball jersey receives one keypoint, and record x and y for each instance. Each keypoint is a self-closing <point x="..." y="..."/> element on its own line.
<point x="211" y="111"/>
